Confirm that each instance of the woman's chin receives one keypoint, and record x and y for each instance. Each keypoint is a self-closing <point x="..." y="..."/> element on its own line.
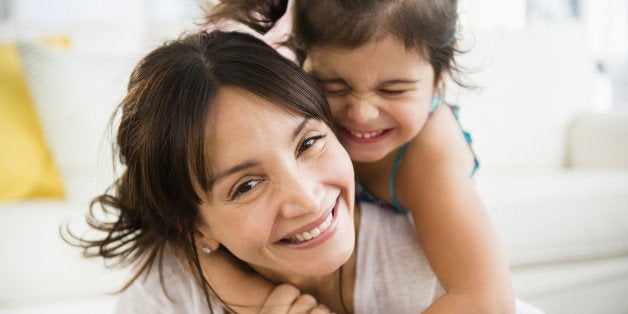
<point x="326" y="267"/>
<point x="323" y="263"/>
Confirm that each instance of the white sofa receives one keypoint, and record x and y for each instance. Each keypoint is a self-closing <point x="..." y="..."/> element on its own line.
<point x="554" y="173"/>
<point x="554" y="176"/>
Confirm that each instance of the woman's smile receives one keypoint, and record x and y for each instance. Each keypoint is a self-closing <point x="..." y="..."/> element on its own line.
<point x="324" y="228"/>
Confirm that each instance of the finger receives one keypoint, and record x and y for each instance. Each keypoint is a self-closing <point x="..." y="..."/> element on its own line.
<point x="320" y="309"/>
<point x="280" y="299"/>
<point x="303" y="304"/>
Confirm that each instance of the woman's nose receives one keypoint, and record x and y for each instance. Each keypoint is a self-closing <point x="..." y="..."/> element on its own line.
<point x="302" y="194"/>
<point x="361" y="110"/>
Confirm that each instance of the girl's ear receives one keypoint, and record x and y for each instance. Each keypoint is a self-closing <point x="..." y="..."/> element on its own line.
<point x="439" y="83"/>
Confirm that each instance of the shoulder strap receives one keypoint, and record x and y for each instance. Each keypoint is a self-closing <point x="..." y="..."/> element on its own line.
<point x="393" y="176"/>
<point x="435" y="102"/>
<point x="467" y="136"/>
<point x="400" y="153"/>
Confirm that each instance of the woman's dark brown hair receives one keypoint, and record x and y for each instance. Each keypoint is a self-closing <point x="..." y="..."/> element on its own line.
<point x="162" y="136"/>
<point x="426" y="26"/>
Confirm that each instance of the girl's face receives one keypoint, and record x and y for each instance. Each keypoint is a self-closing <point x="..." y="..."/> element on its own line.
<point x="283" y="194"/>
<point x="379" y="93"/>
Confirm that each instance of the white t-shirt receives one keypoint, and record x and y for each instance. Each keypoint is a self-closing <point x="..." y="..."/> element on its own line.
<point x="181" y="295"/>
<point x="392" y="275"/>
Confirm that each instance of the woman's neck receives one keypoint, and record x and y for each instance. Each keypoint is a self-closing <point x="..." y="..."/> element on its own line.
<point x="334" y="290"/>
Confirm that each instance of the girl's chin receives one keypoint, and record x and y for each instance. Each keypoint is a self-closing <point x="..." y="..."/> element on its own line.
<point x="364" y="157"/>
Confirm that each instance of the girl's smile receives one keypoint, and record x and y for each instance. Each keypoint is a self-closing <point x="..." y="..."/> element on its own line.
<point x="366" y="137"/>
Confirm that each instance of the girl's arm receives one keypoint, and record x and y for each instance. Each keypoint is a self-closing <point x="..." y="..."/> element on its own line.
<point x="243" y="291"/>
<point x="246" y="292"/>
<point x="454" y="228"/>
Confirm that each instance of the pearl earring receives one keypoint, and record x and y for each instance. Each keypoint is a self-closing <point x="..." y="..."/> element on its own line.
<point x="206" y="249"/>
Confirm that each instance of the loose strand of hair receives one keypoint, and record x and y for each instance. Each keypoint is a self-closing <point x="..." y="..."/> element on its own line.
<point x="260" y="16"/>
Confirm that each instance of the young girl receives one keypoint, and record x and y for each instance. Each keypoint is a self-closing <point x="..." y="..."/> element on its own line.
<point x="382" y="66"/>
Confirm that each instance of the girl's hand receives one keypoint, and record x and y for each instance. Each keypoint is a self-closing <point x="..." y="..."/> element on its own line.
<point x="288" y="299"/>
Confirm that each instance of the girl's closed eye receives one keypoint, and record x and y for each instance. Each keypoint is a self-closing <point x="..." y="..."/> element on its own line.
<point x="392" y="92"/>
<point x="335" y="92"/>
<point x="334" y="88"/>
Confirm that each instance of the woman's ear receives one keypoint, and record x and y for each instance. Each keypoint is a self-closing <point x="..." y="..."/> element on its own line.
<point x="204" y="242"/>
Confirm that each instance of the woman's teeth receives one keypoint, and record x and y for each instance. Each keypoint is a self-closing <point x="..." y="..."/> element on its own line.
<point x="308" y="235"/>
<point x="365" y="135"/>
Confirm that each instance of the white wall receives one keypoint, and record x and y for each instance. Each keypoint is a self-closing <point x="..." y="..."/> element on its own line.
<point x="120" y="26"/>
<point x="605" y="26"/>
<point x="107" y="26"/>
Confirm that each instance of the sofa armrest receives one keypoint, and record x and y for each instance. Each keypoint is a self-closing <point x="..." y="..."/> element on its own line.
<point x="599" y="140"/>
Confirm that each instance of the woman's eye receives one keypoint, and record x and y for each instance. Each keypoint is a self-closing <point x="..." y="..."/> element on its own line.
<point x="309" y="142"/>
<point x="243" y="188"/>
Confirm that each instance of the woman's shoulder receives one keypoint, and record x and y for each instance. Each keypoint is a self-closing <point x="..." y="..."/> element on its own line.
<point x="380" y="226"/>
<point x="392" y="273"/>
<point x="165" y="288"/>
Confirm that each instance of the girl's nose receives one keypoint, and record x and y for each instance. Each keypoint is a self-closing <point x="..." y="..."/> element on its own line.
<point x="361" y="110"/>
<point x="302" y="194"/>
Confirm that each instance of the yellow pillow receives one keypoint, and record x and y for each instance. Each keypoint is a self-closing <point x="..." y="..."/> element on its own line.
<point x="27" y="169"/>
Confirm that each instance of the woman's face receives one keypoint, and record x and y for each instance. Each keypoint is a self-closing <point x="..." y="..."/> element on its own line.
<point x="283" y="194"/>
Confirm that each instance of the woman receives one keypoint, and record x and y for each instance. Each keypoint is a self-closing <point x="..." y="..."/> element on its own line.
<point x="229" y="152"/>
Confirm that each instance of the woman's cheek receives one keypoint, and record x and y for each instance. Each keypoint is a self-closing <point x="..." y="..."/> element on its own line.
<point x="341" y="161"/>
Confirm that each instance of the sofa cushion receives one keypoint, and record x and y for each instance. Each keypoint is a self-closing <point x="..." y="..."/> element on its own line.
<point x="533" y="82"/>
<point x="598" y="140"/>
<point x="27" y="169"/>
<point x="560" y="215"/>
<point x="592" y="286"/>
<point x="74" y="96"/>
<point x="38" y="266"/>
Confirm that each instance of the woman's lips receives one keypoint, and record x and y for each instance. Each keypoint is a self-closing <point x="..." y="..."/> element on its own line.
<point x="316" y="232"/>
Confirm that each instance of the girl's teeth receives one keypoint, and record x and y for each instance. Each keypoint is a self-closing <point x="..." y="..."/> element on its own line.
<point x="365" y="135"/>
<point x="309" y="235"/>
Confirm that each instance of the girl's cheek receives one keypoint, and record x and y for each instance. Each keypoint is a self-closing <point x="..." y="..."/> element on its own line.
<point x="336" y="103"/>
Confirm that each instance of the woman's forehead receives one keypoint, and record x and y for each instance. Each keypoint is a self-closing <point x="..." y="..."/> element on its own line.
<point x="241" y="118"/>
<point x="234" y="104"/>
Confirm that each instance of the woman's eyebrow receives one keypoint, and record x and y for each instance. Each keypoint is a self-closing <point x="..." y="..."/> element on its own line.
<point x="245" y="165"/>
<point x="252" y="163"/>
<point x="300" y="127"/>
